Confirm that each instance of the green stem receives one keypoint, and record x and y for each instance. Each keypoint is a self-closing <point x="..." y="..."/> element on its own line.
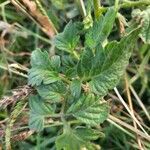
<point x="97" y="6"/>
<point x="128" y="4"/>
<point x="76" y="55"/>
<point x="116" y="4"/>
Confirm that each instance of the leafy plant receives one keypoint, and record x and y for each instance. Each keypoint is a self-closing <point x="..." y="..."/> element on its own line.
<point x="72" y="84"/>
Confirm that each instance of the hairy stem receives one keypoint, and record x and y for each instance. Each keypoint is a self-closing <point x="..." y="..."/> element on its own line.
<point x="97" y="6"/>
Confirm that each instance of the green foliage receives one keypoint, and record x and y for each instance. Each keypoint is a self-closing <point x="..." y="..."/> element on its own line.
<point x="101" y="29"/>
<point x="43" y="70"/>
<point x="75" y="83"/>
<point x="53" y="92"/>
<point x="38" y="111"/>
<point x="90" y="110"/>
<point x="75" y="88"/>
<point x="71" y="73"/>
<point x="68" y="39"/>
<point x="144" y="17"/>
<point x="75" y="139"/>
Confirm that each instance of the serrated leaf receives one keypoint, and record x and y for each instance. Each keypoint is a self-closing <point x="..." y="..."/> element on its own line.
<point x="68" y="39"/>
<point x="88" y="134"/>
<point x="43" y="70"/>
<point x="53" y="92"/>
<point x="116" y="59"/>
<point x="104" y="67"/>
<point x="72" y="139"/>
<point x="90" y="110"/>
<point x="55" y="61"/>
<point x="69" y="66"/>
<point x="40" y="59"/>
<point x="75" y="88"/>
<point x="101" y="29"/>
<point x="90" y="62"/>
<point x="37" y="76"/>
<point x="38" y="110"/>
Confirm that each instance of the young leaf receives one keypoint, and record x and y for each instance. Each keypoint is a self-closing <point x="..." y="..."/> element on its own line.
<point x="101" y="29"/>
<point x="38" y="110"/>
<point x="68" y="39"/>
<point x="90" y="110"/>
<point x="53" y="92"/>
<point x="42" y="71"/>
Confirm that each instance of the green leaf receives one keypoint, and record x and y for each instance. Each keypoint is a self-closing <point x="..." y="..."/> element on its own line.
<point x="101" y="29"/>
<point x="76" y="139"/>
<point x="85" y="64"/>
<point x="40" y="59"/>
<point x="90" y="110"/>
<point x="38" y="110"/>
<point x="144" y="17"/>
<point x="90" y="62"/>
<point x="55" y="61"/>
<point x="68" y="39"/>
<point x="145" y="33"/>
<point x="43" y="69"/>
<point x="69" y="66"/>
<point x="116" y="58"/>
<point x="37" y="76"/>
<point x="104" y="67"/>
<point x="75" y="88"/>
<point x="88" y="134"/>
<point x="53" y="92"/>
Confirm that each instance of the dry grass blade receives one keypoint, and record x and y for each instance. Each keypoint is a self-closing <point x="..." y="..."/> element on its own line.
<point x="118" y="121"/>
<point x="132" y="110"/>
<point x="140" y="102"/>
<point x="43" y="20"/>
<point x="127" y="108"/>
<point x="22" y="136"/>
<point x="18" y="94"/>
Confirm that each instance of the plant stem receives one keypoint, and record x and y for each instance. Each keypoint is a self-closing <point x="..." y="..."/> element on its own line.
<point x="97" y="6"/>
<point x="81" y="6"/>
<point x="116" y="4"/>
<point x="128" y="4"/>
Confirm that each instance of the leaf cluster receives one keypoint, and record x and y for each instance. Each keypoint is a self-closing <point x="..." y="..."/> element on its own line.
<point x="72" y="84"/>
